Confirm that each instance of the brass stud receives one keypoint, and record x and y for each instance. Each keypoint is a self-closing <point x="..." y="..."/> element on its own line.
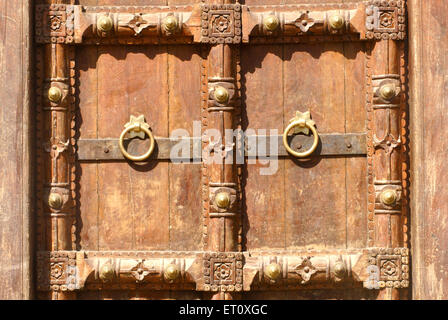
<point x="271" y="22"/>
<point x="388" y="197"/>
<point x="55" y="201"/>
<point x="221" y="94"/>
<point x="104" y="24"/>
<point x="170" y="23"/>
<point x="336" y="21"/>
<point x="107" y="272"/>
<point x="171" y="272"/>
<point x="387" y="91"/>
<point x="339" y="270"/>
<point x="54" y="94"/>
<point x="273" y="271"/>
<point x="222" y="200"/>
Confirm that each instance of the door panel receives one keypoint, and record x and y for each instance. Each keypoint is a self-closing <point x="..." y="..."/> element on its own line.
<point x="222" y="220"/>
<point x="294" y="204"/>
<point x="147" y="206"/>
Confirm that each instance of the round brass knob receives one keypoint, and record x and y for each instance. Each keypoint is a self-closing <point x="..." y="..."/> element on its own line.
<point x="137" y="127"/>
<point x="222" y="200"/>
<point x="339" y="270"/>
<point x="300" y="123"/>
<point x="388" y="197"/>
<point x="221" y="94"/>
<point x="387" y="91"/>
<point x="271" y="22"/>
<point x="170" y="23"/>
<point x="336" y="21"/>
<point x="171" y="272"/>
<point x="54" y="94"/>
<point x="273" y="271"/>
<point x="107" y="272"/>
<point x="55" y="200"/>
<point x="104" y="24"/>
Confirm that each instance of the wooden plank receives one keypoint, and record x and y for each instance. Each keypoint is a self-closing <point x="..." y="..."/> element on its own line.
<point x="355" y="121"/>
<point x="428" y="104"/>
<point x="315" y="194"/>
<point x="185" y="188"/>
<point x="145" y="80"/>
<point x="15" y="154"/>
<point x="87" y="213"/>
<point x="264" y="195"/>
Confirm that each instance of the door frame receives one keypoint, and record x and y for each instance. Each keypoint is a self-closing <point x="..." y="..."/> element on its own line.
<point x="16" y="154"/>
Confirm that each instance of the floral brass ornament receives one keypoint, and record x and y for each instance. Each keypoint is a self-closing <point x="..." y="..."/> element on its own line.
<point x="141" y="271"/>
<point x="301" y="123"/>
<point x="138" y="24"/>
<point x="304" y="22"/>
<point x="305" y="270"/>
<point x="136" y="127"/>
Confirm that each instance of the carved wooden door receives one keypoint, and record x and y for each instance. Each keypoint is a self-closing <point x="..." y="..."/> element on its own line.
<point x="216" y="150"/>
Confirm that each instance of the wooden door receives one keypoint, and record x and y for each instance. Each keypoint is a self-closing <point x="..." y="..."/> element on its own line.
<point x="209" y="150"/>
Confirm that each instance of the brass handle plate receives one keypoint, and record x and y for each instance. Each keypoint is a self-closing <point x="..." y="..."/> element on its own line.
<point x="301" y="123"/>
<point x="136" y="127"/>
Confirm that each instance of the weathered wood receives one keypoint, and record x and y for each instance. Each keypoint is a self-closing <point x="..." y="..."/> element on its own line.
<point x="328" y="205"/>
<point x="428" y="136"/>
<point x="16" y="153"/>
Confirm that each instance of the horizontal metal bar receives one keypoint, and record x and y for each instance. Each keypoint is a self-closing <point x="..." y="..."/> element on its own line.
<point x="256" y="146"/>
<point x="108" y="149"/>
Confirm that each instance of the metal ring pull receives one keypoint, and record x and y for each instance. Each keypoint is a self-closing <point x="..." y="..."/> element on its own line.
<point x="137" y="127"/>
<point x="301" y="123"/>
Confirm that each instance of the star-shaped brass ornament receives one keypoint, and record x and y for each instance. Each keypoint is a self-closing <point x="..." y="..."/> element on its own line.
<point x="304" y="118"/>
<point x="137" y="122"/>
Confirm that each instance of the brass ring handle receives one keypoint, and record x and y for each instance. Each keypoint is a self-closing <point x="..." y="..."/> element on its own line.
<point x="136" y="127"/>
<point x="301" y="121"/>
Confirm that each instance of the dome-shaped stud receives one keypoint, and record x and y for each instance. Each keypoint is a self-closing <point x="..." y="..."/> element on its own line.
<point x="170" y="23"/>
<point x="388" y="197"/>
<point x="221" y="95"/>
<point x="54" y="94"/>
<point x="107" y="272"/>
<point x="104" y="24"/>
<point x="387" y="91"/>
<point x="273" y="271"/>
<point x="271" y="22"/>
<point x="336" y="21"/>
<point x="222" y="200"/>
<point x="339" y="270"/>
<point x="171" y="272"/>
<point x="55" y="201"/>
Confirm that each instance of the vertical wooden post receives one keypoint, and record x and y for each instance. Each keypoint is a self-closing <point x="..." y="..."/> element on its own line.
<point x="223" y="208"/>
<point x="387" y="105"/>
<point x="58" y="106"/>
